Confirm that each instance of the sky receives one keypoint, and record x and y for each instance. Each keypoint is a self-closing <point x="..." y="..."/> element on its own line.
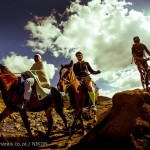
<point x="57" y="29"/>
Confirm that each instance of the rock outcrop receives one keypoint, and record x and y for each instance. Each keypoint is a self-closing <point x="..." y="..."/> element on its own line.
<point x="127" y="126"/>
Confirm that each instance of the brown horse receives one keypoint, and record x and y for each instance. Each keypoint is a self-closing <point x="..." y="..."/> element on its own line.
<point x="13" y="99"/>
<point x="79" y="97"/>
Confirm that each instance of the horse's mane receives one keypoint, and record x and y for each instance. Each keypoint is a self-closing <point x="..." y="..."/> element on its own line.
<point x="66" y="66"/>
<point x="7" y="77"/>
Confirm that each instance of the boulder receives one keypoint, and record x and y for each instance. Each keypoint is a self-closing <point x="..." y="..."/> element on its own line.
<point x="127" y="125"/>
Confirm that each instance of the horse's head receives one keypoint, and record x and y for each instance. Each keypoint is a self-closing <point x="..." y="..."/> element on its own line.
<point x="3" y="69"/>
<point x="66" y="74"/>
<point x="7" y="78"/>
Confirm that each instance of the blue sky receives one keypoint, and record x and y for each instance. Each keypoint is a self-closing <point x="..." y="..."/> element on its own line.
<point x="29" y="26"/>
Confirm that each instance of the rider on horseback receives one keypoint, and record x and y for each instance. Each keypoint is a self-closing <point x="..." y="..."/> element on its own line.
<point x="81" y="70"/>
<point x="36" y="76"/>
<point x="138" y="50"/>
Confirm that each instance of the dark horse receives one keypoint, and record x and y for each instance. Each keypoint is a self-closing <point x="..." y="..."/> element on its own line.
<point x="79" y="97"/>
<point x="13" y="99"/>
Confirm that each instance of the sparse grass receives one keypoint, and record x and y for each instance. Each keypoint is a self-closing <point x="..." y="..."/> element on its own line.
<point x="2" y="105"/>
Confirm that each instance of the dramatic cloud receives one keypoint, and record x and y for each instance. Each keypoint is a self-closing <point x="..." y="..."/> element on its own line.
<point x="19" y="64"/>
<point x="103" y="31"/>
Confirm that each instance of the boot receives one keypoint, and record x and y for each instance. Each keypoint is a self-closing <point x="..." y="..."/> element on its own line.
<point x="92" y="97"/>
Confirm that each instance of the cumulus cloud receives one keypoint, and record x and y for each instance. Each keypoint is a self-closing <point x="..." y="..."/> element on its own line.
<point x="18" y="64"/>
<point x="102" y="30"/>
<point x="44" y="33"/>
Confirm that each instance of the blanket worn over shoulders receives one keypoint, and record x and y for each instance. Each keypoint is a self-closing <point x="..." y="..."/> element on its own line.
<point x="38" y="72"/>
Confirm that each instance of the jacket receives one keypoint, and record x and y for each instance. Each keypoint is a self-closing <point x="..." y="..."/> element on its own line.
<point x="82" y="69"/>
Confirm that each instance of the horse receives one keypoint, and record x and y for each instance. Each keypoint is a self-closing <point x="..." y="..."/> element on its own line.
<point x="79" y="97"/>
<point x="13" y="99"/>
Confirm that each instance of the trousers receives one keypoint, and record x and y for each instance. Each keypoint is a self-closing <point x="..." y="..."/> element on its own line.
<point x="28" y="83"/>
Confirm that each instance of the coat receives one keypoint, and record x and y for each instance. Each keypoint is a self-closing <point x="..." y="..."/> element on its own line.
<point x="42" y="82"/>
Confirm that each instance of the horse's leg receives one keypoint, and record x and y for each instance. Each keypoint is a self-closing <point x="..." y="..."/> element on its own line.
<point x="48" y="113"/>
<point x="95" y="116"/>
<point x="60" y="112"/>
<point x="77" y="115"/>
<point x="89" y="112"/>
<point x="24" y="117"/>
<point x="81" y="121"/>
<point x="73" y="124"/>
<point x="94" y="112"/>
<point x="58" y="105"/>
<point x="69" y="142"/>
<point x="6" y="112"/>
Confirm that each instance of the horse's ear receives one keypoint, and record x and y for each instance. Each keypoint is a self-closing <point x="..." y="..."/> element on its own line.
<point x="62" y="65"/>
<point x="71" y="63"/>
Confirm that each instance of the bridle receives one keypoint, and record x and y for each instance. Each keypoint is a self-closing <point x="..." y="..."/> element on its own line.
<point x="68" y="80"/>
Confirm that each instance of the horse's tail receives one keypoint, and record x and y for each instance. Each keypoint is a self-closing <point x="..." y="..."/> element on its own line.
<point x="58" y="98"/>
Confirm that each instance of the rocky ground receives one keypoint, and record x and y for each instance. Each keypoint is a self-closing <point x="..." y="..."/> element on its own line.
<point x="13" y="133"/>
<point x="126" y="127"/>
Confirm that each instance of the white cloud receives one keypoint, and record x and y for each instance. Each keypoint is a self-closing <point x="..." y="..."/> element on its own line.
<point x="43" y="34"/>
<point x="18" y="64"/>
<point x="103" y="31"/>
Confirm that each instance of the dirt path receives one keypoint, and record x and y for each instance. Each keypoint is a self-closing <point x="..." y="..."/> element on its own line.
<point x="14" y="134"/>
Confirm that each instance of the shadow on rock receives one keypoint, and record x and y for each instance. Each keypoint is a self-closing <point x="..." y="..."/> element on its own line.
<point x="126" y="127"/>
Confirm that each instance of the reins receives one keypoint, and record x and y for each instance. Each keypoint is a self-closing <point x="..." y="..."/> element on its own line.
<point x="68" y="85"/>
<point x="71" y="84"/>
<point x="7" y="74"/>
<point x="69" y="81"/>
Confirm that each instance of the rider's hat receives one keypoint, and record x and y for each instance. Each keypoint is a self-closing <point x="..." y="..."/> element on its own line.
<point x="78" y="53"/>
<point x="136" y="39"/>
